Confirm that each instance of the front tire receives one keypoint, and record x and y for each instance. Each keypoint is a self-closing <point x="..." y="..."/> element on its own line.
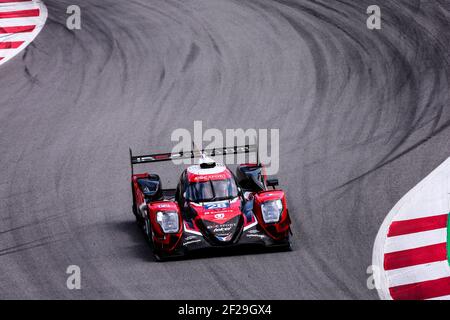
<point x="147" y="229"/>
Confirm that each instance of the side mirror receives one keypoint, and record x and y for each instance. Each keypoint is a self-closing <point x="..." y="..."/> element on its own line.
<point x="272" y="182"/>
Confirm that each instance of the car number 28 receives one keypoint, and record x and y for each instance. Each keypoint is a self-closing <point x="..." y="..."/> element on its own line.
<point x="218" y="205"/>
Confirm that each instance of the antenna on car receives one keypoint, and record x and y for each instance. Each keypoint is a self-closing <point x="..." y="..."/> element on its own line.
<point x="204" y="161"/>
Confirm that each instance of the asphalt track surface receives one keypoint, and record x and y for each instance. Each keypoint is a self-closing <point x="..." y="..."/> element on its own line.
<point x="363" y="116"/>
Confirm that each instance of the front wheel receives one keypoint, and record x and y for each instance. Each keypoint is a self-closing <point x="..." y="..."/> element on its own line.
<point x="147" y="229"/>
<point x="284" y="245"/>
<point x="288" y="246"/>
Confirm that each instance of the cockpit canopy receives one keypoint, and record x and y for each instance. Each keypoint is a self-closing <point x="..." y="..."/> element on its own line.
<point x="212" y="190"/>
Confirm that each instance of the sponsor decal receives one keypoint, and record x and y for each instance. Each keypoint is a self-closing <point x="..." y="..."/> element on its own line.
<point x="225" y="237"/>
<point x="207" y="177"/>
<point x="215" y="212"/>
<point x="162" y="205"/>
<point x="222" y="229"/>
<point x="219" y="216"/>
<point x="225" y="226"/>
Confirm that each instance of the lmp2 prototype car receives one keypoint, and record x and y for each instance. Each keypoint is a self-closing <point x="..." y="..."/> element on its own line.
<point x="211" y="207"/>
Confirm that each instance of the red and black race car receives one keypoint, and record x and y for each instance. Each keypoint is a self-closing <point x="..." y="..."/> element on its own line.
<point x="211" y="207"/>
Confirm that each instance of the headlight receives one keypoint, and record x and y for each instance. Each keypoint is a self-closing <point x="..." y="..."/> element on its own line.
<point x="168" y="220"/>
<point x="271" y="210"/>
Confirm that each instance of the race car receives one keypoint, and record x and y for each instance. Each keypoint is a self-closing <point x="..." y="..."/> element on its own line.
<point x="211" y="208"/>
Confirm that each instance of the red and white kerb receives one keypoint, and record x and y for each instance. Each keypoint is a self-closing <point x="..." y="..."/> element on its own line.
<point x="411" y="248"/>
<point x="20" y="23"/>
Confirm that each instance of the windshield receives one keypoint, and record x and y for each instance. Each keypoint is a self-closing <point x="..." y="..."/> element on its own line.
<point x="212" y="190"/>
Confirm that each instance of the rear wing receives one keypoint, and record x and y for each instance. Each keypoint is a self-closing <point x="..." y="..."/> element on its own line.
<point x="158" y="157"/>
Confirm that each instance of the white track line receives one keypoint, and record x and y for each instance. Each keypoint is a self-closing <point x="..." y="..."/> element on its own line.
<point x="415" y="240"/>
<point x="26" y="36"/>
<point x="14" y="22"/>
<point x="421" y="209"/>
<point x="414" y="274"/>
<point x="17" y="6"/>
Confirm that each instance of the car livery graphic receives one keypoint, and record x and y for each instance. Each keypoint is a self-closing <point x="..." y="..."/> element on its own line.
<point x="211" y="208"/>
